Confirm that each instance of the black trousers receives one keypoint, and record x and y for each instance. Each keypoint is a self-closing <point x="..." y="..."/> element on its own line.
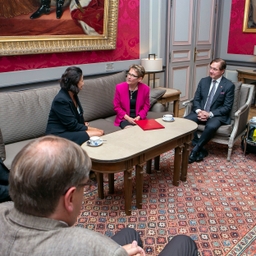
<point x="211" y="126"/>
<point x="4" y="188"/>
<point x="179" y="245"/>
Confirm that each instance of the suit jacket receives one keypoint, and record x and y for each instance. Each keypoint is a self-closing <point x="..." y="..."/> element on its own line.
<point x="122" y="101"/>
<point x="4" y="184"/>
<point x="63" y="115"/>
<point x="37" y="236"/>
<point x="222" y="101"/>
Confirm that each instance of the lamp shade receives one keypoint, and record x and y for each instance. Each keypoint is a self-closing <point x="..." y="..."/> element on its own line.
<point x="254" y="52"/>
<point x="152" y="64"/>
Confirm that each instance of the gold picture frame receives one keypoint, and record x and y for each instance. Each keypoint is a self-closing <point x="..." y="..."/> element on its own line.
<point x="21" y="45"/>
<point x="248" y="25"/>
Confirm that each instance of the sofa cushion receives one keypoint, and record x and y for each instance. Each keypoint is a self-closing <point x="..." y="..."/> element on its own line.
<point x="106" y="124"/>
<point x="24" y="114"/>
<point x="223" y="131"/>
<point x="13" y="149"/>
<point x="154" y="95"/>
<point x="97" y="96"/>
<point x="2" y="147"/>
<point x="236" y="102"/>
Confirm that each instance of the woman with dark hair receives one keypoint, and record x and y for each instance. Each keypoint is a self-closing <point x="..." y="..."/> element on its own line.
<point x="66" y="114"/>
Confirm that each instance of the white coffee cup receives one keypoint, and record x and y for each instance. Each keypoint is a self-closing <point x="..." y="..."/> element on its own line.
<point x="95" y="140"/>
<point x="168" y="117"/>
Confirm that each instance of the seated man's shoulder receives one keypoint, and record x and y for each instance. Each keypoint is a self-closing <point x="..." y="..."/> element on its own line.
<point x="90" y="242"/>
<point x="205" y="79"/>
<point x="229" y="82"/>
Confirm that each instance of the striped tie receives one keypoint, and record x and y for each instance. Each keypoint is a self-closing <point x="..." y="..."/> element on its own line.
<point x="210" y="96"/>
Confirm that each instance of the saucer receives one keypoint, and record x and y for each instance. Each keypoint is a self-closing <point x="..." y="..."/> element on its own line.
<point x="92" y="145"/>
<point x="168" y="120"/>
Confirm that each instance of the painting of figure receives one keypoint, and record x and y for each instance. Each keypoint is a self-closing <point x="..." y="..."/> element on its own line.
<point x="250" y="16"/>
<point x="51" y="17"/>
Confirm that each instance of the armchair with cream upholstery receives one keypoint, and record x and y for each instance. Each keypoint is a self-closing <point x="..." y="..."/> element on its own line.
<point x="229" y="134"/>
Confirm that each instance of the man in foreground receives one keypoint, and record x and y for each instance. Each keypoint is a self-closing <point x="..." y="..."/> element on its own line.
<point x="47" y="180"/>
<point x="212" y="104"/>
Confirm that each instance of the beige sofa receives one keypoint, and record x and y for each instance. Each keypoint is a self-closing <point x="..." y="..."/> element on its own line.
<point x="24" y="113"/>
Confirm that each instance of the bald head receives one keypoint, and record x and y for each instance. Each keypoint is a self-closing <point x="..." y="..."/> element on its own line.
<point x="43" y="170"/>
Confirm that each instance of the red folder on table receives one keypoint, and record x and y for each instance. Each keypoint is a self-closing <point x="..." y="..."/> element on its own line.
<point x="149" y="124"/>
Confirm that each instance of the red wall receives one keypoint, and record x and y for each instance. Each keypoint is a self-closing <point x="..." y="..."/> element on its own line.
<point x="127" y="46"/>
<point x="239" y="42"/>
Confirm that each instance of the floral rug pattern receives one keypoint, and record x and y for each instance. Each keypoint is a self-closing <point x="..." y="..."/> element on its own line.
<point x="216" y="206"/>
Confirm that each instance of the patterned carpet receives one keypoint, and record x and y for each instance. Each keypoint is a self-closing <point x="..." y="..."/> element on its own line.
<point x="216" y="207"/>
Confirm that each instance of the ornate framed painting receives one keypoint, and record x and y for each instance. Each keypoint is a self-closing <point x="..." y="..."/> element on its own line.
<point x="249" y="24"/>
<point x="75" y="25"/>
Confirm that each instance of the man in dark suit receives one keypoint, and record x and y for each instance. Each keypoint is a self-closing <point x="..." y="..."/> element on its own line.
<point x="212" y="104"/>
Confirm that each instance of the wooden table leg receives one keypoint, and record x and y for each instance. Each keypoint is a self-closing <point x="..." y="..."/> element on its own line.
<point x="148" y="166"/>
<point x="184" y="164"/>
<point x="177" y="166"/>
<point x="100" y="185"/>
<point x="111" y="182"/>
<point x="128" y="192"/>
<point x="157" y="161"/>
<point x="139" y="185"/>
<point x="176" y="108"/>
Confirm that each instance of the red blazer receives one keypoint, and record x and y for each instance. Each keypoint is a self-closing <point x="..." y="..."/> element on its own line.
<point x="122" y="101"/>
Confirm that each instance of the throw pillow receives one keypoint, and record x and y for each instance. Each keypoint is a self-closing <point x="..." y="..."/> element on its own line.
<point x="154" y="95"/>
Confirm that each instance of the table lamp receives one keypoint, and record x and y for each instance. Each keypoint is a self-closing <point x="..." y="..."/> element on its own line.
<point x="152" y="65"/>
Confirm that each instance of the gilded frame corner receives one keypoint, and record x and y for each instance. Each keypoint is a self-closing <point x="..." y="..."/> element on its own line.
<point x="247" y="14"/>
<point x="21" y="45"/>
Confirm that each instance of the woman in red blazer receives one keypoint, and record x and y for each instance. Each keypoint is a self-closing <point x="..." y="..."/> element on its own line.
<point x="131" y="101"/>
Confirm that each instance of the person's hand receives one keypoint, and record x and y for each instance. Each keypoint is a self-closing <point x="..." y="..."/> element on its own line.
<point x="137" y="118"/>
<point x="134" y="250"/>
<point x="86" y="124"/>
<point x="203" y="115"/>
<point x="131" y="120"/>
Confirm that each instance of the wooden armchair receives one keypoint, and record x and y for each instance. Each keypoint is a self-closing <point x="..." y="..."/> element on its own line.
<point x="229" y="134"/>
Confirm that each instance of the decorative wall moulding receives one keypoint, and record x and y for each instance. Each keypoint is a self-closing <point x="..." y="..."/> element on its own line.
<point x="30" y="41"/>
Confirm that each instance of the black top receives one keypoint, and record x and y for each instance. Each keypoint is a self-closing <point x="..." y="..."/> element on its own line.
<point x="133" y="97"/>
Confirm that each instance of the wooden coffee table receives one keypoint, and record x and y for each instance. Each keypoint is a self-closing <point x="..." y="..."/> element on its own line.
<point x="124" y="149"/>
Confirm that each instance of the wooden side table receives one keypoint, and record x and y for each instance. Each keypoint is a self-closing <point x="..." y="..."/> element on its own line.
<point x="247" y="74"/>
<point x="169" y="96"/>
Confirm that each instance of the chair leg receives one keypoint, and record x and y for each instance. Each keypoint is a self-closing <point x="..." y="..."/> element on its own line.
<point x="229" y="153"/>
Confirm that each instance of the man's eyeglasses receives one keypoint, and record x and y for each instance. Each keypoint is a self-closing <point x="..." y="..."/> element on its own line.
<point x="129" y="74"/>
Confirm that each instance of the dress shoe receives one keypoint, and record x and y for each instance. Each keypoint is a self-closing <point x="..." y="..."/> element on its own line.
<point x="193" y="157"/>
<point x="59" y="10"/>
<point x="43" y="9"/>
<point x="201" y="155"/>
